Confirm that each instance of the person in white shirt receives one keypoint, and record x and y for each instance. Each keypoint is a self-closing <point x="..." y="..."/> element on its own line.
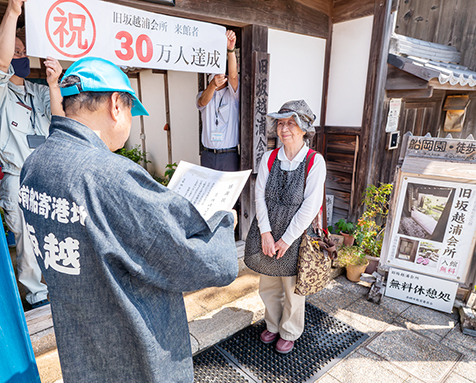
<point x="25" y="116"/>
<point x="287" y="201"/>
<point x="219" y="105"/>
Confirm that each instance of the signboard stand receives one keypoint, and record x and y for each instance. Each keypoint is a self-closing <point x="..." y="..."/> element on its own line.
<point x="431" y="228"/>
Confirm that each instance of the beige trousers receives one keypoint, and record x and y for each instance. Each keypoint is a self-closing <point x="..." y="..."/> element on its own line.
<point x="285" y="310"/>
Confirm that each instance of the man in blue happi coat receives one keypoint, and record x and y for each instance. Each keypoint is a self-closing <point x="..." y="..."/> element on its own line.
<point x="116" y="248"/>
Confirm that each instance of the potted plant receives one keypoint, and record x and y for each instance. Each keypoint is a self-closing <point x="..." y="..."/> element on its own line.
<point x="342" y="232"/>
<point x="354" y="261"/>
<point x="371" y="224"/>
<point x="135" y="154"/>
<point x="169" y="172"/>
<point x="346" y="229"/>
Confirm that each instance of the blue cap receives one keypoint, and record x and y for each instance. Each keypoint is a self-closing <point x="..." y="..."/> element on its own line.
<point x="99" y="75"/>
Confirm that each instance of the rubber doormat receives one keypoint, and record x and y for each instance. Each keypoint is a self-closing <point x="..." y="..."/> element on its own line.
<point x="244" y="358"/>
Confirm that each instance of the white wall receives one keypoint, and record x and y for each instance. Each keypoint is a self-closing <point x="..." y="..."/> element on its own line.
<point x="183" y="89"/>
<point x="134" y="137"/>
<point x="296" y="69"/>
<point x="153" y="98"/>
<point x="348" y="72"/>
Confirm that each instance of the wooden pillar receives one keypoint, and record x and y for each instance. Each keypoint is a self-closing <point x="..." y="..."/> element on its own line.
<point x="254" y="38"/>
<point x="373" y="103"/>
<point x="142" y="125"/>
<point x="167" y="116"/>
<point x="320" y="138"/>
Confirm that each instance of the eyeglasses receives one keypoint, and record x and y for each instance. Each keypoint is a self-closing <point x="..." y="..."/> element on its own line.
<point x="19" y="53"/>
<point x="290" y="124"/>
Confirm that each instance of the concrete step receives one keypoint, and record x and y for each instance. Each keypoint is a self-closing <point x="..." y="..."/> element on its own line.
<point x="229" y="309"/>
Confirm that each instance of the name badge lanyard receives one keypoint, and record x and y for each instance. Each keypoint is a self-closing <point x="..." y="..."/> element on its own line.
<point x="37" y="139"/>
<point x="32" y="114"/>
<point x="219" y="106"/>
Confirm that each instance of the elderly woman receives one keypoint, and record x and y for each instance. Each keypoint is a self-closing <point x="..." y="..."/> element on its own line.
<point x="286" y="203"/>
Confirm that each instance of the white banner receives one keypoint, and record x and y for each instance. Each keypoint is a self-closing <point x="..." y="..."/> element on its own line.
<point x="72" y="29"/>
<point x="422" y="290"/>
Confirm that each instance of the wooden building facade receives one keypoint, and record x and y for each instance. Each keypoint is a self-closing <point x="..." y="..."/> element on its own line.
<point x="354" y="148"/>
<point x="449" y="27"/>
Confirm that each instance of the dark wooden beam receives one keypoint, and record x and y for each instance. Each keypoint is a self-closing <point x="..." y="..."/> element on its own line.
<point x="346" y="10"/>
<point x="254" y="38"/>
<point x="411" y="93"/>
<point x="339" y="181"/>
<point x="340" y="162"/>
<point x="373" y="102"/>
<point x="349" y="130"/>
<point x="459" y="88"/>
<point x="341" y="143"/>
<point x="306" y="17"/>
<point x="320" y="138"/>
<point x="398" y="79"/>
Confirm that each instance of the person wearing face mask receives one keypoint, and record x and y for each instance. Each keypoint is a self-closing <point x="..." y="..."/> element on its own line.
<point x="25" y="116"/>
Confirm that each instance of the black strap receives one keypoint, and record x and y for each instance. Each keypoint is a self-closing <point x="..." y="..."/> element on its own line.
<point x="219" y="106"/>
<point x="32" y="107"/>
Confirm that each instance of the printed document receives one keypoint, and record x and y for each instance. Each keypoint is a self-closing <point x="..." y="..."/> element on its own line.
<point x="207" y="189"/>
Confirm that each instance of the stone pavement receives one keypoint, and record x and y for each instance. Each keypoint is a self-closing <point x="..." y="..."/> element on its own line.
<point x="406" y="344"/>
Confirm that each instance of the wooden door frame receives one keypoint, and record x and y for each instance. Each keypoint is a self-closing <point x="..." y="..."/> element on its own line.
<point x="254" y="38"/>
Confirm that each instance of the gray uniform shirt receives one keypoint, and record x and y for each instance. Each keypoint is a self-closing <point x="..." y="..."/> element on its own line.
<point x="117" y="250"/>
<point x="22" y="113"/>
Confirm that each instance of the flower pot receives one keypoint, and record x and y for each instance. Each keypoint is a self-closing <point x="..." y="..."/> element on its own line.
<point x="373" y="264"/>
<point x="353" y="272"/>
<point x="338" y="240"/>
<point x="348" y="239"/>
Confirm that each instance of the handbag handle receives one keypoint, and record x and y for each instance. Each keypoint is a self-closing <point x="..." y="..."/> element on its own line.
<point x="324" y="241"/>
<point x="323" y="211"/>
<point x="327" y="244"/>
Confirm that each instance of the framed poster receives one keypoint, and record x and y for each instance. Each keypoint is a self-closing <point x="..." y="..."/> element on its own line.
<point x="434" y="227"/>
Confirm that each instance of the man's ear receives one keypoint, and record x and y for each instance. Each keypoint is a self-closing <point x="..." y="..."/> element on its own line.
<point x="115" y="105"/>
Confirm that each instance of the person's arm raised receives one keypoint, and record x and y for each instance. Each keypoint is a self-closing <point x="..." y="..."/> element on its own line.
<point x="232" y="64"/>
<point x="53" y="71"/>
<point x="207" y="94"/>
<point x="8" y="33"/>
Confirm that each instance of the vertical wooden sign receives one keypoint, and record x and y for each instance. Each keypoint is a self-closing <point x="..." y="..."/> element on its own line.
<point x="259" y="101"/>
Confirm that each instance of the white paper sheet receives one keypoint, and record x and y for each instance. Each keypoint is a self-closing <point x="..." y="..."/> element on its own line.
<point x="207" y="189"/>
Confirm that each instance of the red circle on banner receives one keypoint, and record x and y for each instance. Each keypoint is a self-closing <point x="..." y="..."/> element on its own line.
<point x="60" y="49"/>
